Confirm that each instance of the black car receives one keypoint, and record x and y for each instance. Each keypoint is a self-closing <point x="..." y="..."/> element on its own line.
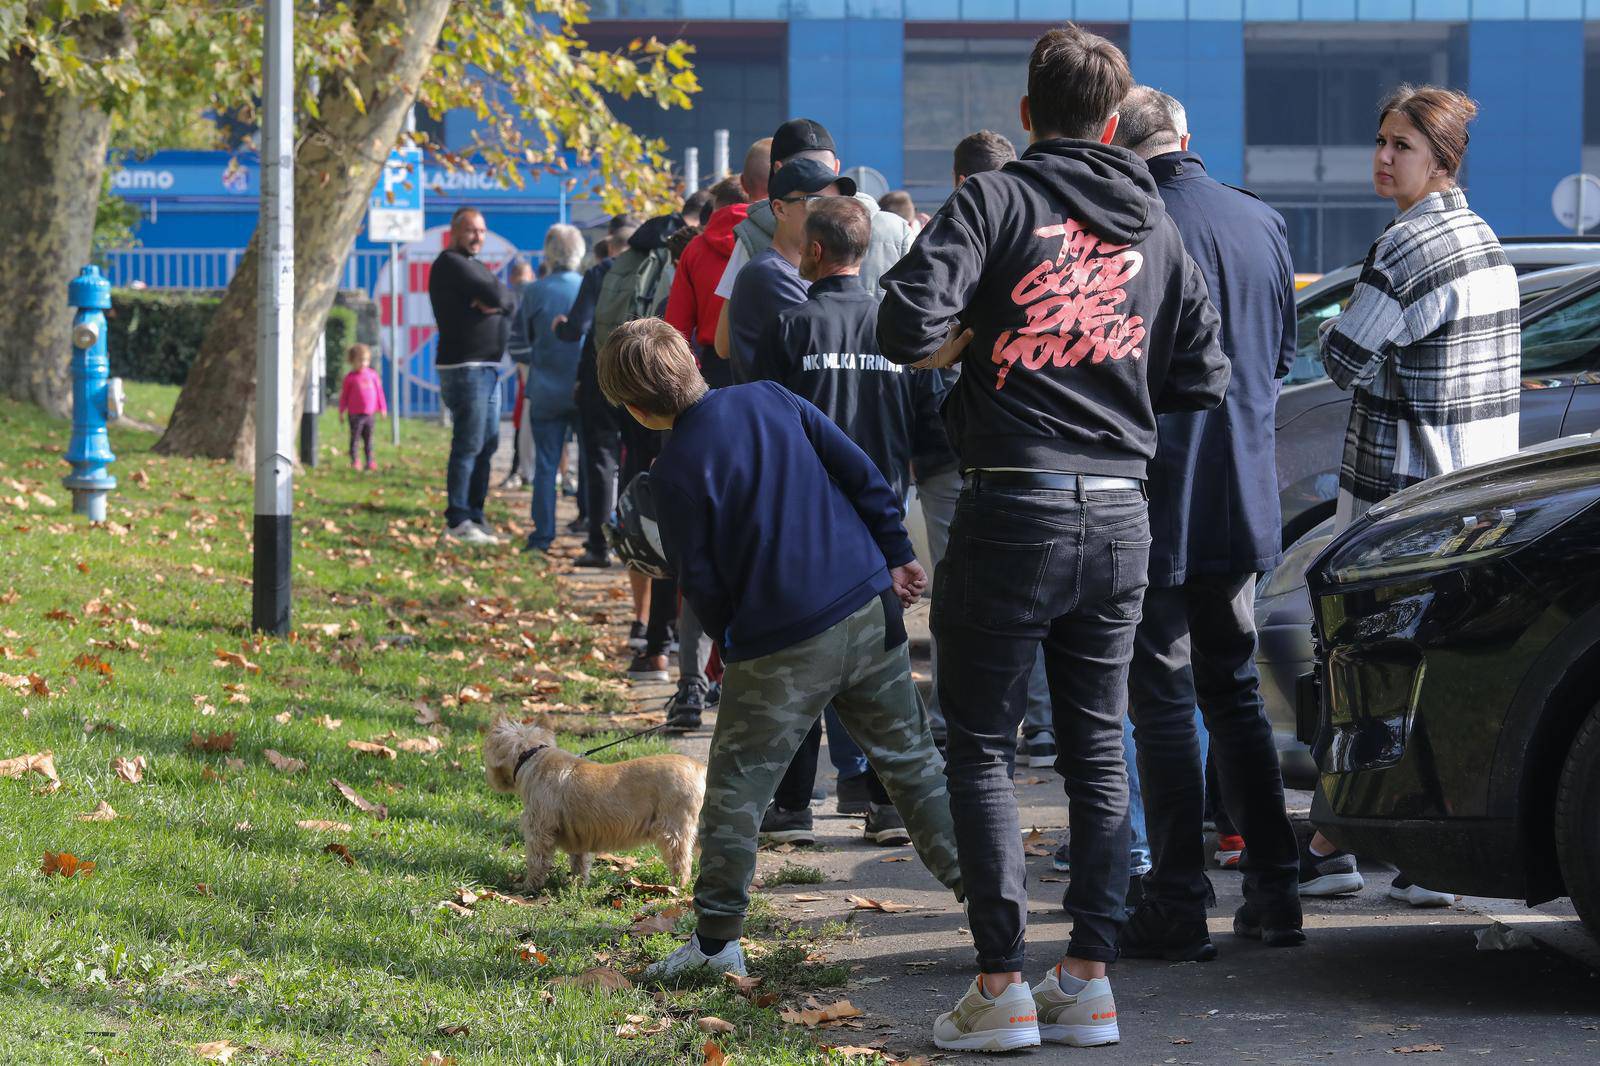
<point x="1560" y="396"/>
<point x="1454" y="705"/>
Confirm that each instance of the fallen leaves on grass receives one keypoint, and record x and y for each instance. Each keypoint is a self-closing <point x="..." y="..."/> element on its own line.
<point x="323" y="825"/>
<point x="420" y="745"/>
<point x="645" y="888"/>
<point x="637" y="1025"/>
<point x="603" y="978"/>
<point x="815" y="1014"/>
<point x="42" y="763"/>
<point x="897" y="858"/>
<point x="282" y="763"/>
<point x="664" y="921"/>
<point x="530" y="952"/>
<point x="65" y="864"/>
<point x="341" y="851"/>
<point x="746" y="987"/>
<point x="27" y="684"/>
<point x="130" y="770"/>
<point x="426" y="715"/>
<point x="454" y="908"/>
<point x="211" y="741"/>
<point x="712" y="1024"/>
<point x="623" y="863"/>
<point x="713" y="1054"/>
<point x="356" y="800"/>
<point x="437" y="1058"/>
<point x="853" y="1051"/>
<point x="233" y="658"/>
<point x="327" y="723"/>
<point x="454" y="1030"/>
<point x="101" y="813"/>
<point x="887" y="906"/>
<point x="91" y="662"/>
<point x="216" y="1051"/>
<point x="476" y="692"/>
<point x="380" y="751"/>
<point x="1418" y="1049"/>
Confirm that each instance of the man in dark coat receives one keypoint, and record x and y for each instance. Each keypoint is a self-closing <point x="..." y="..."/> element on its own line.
<point x="1215" y="522"/>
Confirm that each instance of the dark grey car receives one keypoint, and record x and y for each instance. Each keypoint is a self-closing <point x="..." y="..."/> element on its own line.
<point x="1560" y="397"/>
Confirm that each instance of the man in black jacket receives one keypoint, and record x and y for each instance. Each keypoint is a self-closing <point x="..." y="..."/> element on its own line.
<point x="826" y="350"/>
<point x="1085" y="316"/>
<point x="472" y="308"/>
<point x="1215" y="522"/>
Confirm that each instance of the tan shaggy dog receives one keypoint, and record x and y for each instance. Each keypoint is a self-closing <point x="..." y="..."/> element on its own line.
<point x="582" y="807"/>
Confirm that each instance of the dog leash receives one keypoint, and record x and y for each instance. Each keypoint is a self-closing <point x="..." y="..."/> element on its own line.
<point x="624" y="740"/>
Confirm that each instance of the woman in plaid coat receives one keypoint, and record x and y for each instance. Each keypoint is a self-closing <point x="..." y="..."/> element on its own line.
<point x="1431" y="340"/>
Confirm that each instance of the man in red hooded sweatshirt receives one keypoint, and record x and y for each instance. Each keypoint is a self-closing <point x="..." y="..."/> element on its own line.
<point x="693" y="305"/>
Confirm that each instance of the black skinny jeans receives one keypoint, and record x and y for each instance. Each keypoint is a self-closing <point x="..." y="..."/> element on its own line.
<point x="1067" y="568"/>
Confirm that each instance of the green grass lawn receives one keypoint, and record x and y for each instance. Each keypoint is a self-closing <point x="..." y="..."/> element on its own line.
<point x="212" y="914"/>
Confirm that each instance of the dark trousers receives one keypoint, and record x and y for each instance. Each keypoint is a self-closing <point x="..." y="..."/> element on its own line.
<point x="1197" y="643"/>
<point x="600" y="451"/>
<point x="794" y="789"/>
<point x="361" y="431"/>
<point x="1068" y="569"/>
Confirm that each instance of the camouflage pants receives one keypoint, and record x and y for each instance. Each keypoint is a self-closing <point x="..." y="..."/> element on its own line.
<point x="768" y="705"/>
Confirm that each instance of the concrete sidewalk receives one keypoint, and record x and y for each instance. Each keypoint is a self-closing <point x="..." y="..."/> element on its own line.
<point x="1376" y="979"/>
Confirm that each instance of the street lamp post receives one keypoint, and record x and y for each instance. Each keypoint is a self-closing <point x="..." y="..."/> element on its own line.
<point x="274" y="486"/>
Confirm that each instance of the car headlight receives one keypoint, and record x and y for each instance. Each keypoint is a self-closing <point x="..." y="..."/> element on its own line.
<point x="1290" y="574"/>
<point x="1477" y="523"/>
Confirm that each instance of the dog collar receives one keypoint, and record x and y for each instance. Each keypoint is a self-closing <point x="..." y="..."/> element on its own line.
<point x="525" y="756"/>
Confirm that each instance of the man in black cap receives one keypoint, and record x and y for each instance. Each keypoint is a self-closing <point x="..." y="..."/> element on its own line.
<point x="804" y="138"/>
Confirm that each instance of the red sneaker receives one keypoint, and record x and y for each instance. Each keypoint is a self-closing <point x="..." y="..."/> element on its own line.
<point x="1229" y="848"/>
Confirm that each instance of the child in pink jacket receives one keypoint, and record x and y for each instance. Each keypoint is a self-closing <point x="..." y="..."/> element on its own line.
<point x="361" y="400"/>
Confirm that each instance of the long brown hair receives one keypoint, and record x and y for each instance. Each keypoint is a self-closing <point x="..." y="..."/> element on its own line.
<point x="1439" y="114"/>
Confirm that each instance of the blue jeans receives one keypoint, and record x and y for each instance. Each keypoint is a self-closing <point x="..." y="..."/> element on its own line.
<point x="472" y="394"/>
<point x="1029" y="565"/>
<point x="549" y="437"/>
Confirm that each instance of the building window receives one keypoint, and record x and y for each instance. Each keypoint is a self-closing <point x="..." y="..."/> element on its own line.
<point x="1591" y="98"/>
<point x="1311" y="109"/>
<point x="961" y="78"/>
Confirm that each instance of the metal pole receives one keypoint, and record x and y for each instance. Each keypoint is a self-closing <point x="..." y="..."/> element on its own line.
<point x="274" y="497"/>
<point x="311" y="412"/>
<point x="719" y="154"/>
<point x="394" y="344"/>
<point x="1583" y="187"/>
<point x="691" y="170"/>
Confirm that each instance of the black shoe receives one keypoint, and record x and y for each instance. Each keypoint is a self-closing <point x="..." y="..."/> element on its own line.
<point x="593" y="560"/>
<point x="779" y="826"/>
<point x="647" y="667"/>
<point x="672" y="638"/>
<point x="1151" y="933"/>
<point x="714" y="694"/>
<point x="885" y="826"/>
<point x="853" y="797"/>
<point x="636" y="633"/>
<point x="578" y="525"/>
<point x="1039" y="750"/>
<point x="683" y="713"/>
<point x="529" y="548"/>
<point x="1253" y="924"/>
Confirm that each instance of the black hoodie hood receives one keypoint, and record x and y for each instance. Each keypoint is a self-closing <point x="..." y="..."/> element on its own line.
<point x="653" y="233"/>
<point x="1108" y="189"/>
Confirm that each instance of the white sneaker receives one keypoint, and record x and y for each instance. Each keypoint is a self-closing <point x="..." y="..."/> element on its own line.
<point x="689" y="957"/>
<point x="487" y="530"/>
<point x="468" y="533"/>
<point x="1087" y="1019"/>
<point x="1403" y="889"/>
<point x="978" y="1023"/>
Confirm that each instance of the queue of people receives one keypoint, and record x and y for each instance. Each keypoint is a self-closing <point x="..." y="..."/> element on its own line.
<point x="1076" y="361"/>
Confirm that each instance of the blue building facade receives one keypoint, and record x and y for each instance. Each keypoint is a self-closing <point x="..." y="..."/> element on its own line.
<point x="1281" y="94"/>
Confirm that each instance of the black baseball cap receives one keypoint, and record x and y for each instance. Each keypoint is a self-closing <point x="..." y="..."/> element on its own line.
<point x="808" y="176"/>
<point x="800" y="135"/>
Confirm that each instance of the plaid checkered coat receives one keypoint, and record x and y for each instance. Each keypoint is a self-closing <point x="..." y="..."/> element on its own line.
<point x="1431" y="343"/>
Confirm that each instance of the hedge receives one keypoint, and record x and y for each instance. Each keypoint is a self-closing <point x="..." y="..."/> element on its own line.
<point x="155" y="335"/>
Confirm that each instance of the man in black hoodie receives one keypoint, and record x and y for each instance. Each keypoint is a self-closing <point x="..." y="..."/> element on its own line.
<point x="1084" y="317"/>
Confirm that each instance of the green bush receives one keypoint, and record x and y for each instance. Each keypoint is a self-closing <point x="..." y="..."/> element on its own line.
<point x="154" y="335"/>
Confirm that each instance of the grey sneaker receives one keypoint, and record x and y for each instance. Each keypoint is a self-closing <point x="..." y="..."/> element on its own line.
<point x="779" y="826"/>
<point x="1088" y="1019"/>
<point x="885" y="826"/>
<point x="689" y="958"/>
<point x="468" y="533"/>
<point x="487" y="530"/>
<point x="1335" y="874"/>
<point x="1040" y="750"/>
<point x="978" y="1023"/>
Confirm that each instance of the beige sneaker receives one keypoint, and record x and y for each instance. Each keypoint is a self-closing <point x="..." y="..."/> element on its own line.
<point x="1004" y="1023"/>
<point x="1087" y="1019"/>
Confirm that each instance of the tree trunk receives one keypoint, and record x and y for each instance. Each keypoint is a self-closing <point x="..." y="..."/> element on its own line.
<point x="337" y="163"/>
<point x="52" y="156"/>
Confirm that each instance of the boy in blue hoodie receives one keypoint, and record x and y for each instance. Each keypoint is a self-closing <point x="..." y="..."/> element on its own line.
<point x="792" y="551"/>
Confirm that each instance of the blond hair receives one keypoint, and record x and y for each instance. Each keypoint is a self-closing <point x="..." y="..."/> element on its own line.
<point x="647" y="364"/>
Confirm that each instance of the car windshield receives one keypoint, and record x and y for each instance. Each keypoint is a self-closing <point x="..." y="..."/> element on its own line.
<point x="1554" y="342"/>
<point x="1564" y="340"/>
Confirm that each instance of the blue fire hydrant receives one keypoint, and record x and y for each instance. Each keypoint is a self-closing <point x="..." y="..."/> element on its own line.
<point x="95" y="396"/>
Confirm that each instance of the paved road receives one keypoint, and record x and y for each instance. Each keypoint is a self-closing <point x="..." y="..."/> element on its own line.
<point x="1375" y="977"/>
